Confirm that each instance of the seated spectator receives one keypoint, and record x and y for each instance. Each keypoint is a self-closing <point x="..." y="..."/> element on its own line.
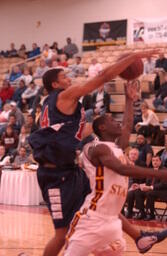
<point x="63" y="61"/>
<point x="100" y="104"/>
<point x="133" y="183"/>
<point x="41" y="69"/>
<point x="160" y="101"/>
<point x="30" y="123"/>
<point x="23" y="139"/>
<point x="39" y="98"/>
<point x="35" y="51"/>
<point x="47" y="53"/>
<point x="149" y="66"/>
<point x="150" y="191"/>
<point x="150" y="125"/>
<point x="17" y="113"/>
<point x="4" y="158"/>
<point x="4" y="114"/>
<point x="29" y="94"/>
<point x="12" y="52"/>
<point x="94" y="69"/>
<point x="70" y="48"/>
<point x="22" y="52"/>
<point x="6" y="93"/>
<point x="76" y="69"/>
<point x="55" y="47"/>
<point x="15" y="74"/>
<point x="18" y="93"/>
<point x="21" y="158"/>
<point x="9" y="140"/>
<point x="145" y="150"/>
<point x="161" y="63"/>
<point x="13" y="123"/>
<point x="26" y="77"/>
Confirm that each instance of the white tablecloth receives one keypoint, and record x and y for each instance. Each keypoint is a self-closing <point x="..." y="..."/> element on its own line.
<point x="19" y="188"/>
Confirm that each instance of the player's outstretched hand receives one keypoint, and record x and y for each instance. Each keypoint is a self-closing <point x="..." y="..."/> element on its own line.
<point x="146" y="54"/>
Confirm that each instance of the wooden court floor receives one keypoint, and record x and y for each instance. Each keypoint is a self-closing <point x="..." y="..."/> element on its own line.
<point x="24" y="231"/>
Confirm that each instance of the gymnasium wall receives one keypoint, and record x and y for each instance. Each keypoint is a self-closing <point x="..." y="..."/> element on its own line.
<point x="44" y="21"/>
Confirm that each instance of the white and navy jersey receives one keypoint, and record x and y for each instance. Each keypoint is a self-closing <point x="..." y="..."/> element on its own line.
<point x="109" y="189"/>
<point x="59" y="135"/>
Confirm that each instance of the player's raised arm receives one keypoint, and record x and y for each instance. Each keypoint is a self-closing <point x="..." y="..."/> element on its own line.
<point x="131" y="89"/>
<point x="102" y="155"/>
<point x="71" y="95"/>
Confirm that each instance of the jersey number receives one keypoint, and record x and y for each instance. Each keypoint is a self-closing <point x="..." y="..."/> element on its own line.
<point x="45" y="118"/>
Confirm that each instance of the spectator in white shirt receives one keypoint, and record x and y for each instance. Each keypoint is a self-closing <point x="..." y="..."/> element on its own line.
<point x="94" y="69"/>
<point x="4" y="158"/>
<point x="41" y="69"/>
<point x="26" y="76"/>
<point x="149" y="66"/>
<point x="29" y="94"/>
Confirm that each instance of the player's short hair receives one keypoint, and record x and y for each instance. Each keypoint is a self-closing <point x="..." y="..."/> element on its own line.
<point x="49" y="77"/>
<point x="96" y="123"/>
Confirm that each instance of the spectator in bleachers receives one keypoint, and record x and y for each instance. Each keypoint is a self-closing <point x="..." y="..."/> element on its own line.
<point x="39" y="98"/>
<point x="76" y="69"/>
<point x="17" y="113"/>
<point x="145" y="150"/>
<point x="22" y="51"/>
<point x="15" y="74"/>
<point x="150" y="191"/>
<point x="13" y="123"/>
<point x="4" y="114"/>
<point x="41" y="69"/>
<point x="137" y="107"/>
<point x="35" y="51"/>
<point x="6" y="93"/>
<point x="9" y="140"/>
<point x="4" y="157"/>
<point x="150" y="125"/>
<point x="12" y="52"/>
<point x="18" y="93"/>
<point x="21" y="158"/>
<point x="63" y="61"/>
<point x="160" y="101"/>
<point x="99" y="103"/>
<point x="26" y="77"/>
<point x="56" y="48"/>
<point x="47" y="53"/>
<point x="29" y="94"/>
<point x="149" y="66"/>
<point x="70" y="48"/>
<point x="23" y="139"/>
<point x="95" y="68"/>
<point x="133" y="183"/>
<point x="161" y="64"/>
<point x="30" y="123"/>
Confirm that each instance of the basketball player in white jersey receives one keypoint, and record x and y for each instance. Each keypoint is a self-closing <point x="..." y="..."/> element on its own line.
<point x="99" y="228"/>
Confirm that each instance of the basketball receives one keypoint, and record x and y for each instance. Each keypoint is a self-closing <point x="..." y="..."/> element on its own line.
<point x="133" y="71"/>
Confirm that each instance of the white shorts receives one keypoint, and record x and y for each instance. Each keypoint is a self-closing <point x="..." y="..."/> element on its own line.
<point x="100" y="235"/>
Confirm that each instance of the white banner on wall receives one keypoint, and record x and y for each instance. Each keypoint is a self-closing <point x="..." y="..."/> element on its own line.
<point x="150" y="31"/>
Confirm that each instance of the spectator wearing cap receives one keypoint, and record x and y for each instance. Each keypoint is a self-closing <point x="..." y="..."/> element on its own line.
<point x="17" y="113"/>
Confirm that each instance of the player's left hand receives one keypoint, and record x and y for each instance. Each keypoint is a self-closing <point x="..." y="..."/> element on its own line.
<point x="132" y="89"/>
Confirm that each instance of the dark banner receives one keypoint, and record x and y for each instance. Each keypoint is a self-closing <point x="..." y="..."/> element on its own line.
<point x="104" y="33"/>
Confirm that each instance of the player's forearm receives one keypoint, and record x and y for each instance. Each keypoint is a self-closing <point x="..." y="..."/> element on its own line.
<point x="127" y="124"/>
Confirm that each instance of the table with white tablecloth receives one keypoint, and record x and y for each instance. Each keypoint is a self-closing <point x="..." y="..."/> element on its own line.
<point x="20" y="188"/>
